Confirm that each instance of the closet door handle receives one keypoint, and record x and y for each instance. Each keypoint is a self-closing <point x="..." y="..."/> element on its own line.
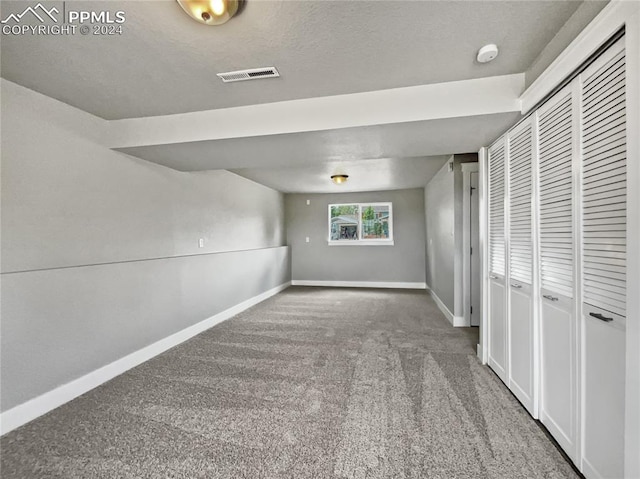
<point x="517" y="286"/>
<point x="549" y="297"/>
<point x="600" y="317"/>
<point x="493" y="276"/>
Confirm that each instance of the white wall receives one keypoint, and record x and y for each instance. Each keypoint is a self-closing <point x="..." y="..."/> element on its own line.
<point x="100" y="252"/>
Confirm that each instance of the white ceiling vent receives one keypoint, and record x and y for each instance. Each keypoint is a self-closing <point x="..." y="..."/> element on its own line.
<point x="252" y="74"/>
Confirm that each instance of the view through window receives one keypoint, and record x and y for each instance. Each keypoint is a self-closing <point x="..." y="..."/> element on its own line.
<point x="356" y="223"/>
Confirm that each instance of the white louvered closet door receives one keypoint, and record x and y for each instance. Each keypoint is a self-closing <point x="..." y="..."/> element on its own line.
<point x="496" y="209"/>
<point x="558" y="328"/>
<point x="497" y="327"/>
<point x="603" y="158"/>
<point x="556" y="196"/>
<point x="520" y="194"/>
<point x="520" y="254"/>
<point x="604" y="187"/>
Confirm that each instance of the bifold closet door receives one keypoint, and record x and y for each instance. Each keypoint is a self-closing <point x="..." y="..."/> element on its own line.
<point x="520" y="254"/>
<point x="558" y="324"/>
<point x="496" y="321"/>
<point x="603" y="158"/>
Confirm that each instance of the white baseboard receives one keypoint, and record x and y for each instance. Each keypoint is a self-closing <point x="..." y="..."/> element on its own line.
<point x="359" y="284"/>
<point x="36" y="407"/>
<point x="456" y="321"/>
<point x="460" y="322"/>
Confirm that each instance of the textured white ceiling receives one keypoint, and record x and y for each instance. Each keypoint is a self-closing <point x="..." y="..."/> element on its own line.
<point x="165" y="62"/>
<point x="364" y="175"/>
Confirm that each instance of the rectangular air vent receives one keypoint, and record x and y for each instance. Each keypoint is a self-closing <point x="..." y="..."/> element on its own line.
<point x="252" y="74"/>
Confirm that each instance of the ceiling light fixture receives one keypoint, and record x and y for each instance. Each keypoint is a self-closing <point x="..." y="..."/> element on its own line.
<point x="210" y="12"/>
<point x="339" y="179"/>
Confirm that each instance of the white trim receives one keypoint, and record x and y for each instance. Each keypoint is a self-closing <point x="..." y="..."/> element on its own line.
<point x="36" y="407"/>
<point x="483" y="178"/>
<point x="607" y="22"/>
<point x="507" y="262"/>
<point x="576" y="310"/>
<point x="459" y="322"/>
<point x="456" y="321"/>
<point x="467" y="169"/>
<point x="535" y="272"/>
<point x="359" y="284"/>
<point x="632" y="374"/>
<point x="361" y="243"/>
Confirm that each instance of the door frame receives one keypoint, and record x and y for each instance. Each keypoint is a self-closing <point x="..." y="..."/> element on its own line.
<point x="467" y="169"/>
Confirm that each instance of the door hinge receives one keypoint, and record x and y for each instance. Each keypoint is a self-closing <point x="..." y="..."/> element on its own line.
<point x="471" y="309"/>
<point x="471" y="190"/>
<point x="471" y="252"/>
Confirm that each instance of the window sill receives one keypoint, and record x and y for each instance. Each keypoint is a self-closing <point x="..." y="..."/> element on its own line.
<point x="361" y="243"/>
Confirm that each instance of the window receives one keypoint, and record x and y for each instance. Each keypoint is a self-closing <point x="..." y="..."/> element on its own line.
<point x="360" y="223"/>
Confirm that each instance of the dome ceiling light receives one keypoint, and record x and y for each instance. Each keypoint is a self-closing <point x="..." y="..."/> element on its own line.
<point x="210" y="12"/>
<point x="339" y="179"/>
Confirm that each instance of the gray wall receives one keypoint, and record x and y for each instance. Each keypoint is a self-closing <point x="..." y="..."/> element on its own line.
<point x="317" y="261"/>
<point x="100" y="253"/>
<point x="583" y="15"/>
<point x="443" y="198"/>
<point x="440" y="230"/>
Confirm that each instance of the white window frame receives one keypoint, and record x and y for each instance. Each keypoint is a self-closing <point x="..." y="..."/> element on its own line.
<point x="361" y="242"/>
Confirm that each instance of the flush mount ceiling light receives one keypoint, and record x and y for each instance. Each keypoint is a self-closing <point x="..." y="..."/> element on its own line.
<point x="339" y="179"/>
<point x="487" y="53"/>
<point x="210" y="12"/>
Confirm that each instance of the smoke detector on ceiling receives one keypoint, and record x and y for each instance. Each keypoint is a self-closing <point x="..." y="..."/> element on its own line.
<point x="487" y="53"/>
<point x="251" y="74"/>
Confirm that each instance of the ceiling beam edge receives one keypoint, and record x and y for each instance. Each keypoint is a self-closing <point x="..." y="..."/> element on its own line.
<point x="499" y="94"/>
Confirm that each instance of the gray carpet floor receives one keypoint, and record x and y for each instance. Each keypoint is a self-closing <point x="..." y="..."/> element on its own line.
<point x="312" y="383"/>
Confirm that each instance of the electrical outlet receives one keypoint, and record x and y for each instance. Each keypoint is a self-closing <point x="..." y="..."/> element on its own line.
<point x="201" y="243"/>
<point x="307" y="239"/>
<point x="308" y="202"/>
